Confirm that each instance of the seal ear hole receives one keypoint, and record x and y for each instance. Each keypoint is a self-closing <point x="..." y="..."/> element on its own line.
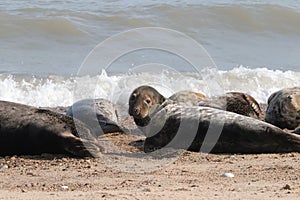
<point x="148" y="101"/>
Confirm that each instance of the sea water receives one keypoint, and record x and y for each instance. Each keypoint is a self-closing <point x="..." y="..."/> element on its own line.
<point x="254" y="47"/>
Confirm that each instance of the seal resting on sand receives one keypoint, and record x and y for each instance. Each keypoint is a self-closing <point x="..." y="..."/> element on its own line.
<point x="186" y="127"/>
<point x="95" y="112"/>
<point x="29" y="130"/>
<point x="284" y="108"/>
<point x="145" y="98"/>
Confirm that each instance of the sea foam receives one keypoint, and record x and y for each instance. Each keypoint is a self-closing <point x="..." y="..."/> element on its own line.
<point x="63" y="91"/>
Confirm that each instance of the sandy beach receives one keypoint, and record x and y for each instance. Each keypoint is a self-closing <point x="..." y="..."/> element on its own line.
<point x="190" y="175"/>
<point x="55" y="53"/>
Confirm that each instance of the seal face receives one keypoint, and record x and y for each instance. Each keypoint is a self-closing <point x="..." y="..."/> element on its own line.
<point x="284" y="108"/>
<point x="29" y="130"/>
<point x="236" y="102"/>
<point x="95" y="112"/>
<point x="141" y="101"/>
<point x="185" y="127"/>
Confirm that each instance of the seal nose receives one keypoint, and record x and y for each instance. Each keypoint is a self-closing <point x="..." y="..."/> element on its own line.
<point x="136" y="111"/>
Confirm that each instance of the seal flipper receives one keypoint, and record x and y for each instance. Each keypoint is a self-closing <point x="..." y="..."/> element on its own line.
<point x="297" y="131"/>
<point x="26" y="130"/>
<point x="80" y="147"/>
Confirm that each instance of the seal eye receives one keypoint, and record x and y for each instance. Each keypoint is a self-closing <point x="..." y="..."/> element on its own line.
<point x="132" y="98"/>
<point x="148" y="101"/>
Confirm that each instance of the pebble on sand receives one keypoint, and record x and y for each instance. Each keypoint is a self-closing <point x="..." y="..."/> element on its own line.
<point x="3" y="166"/>
<point x="228" y="175"/>
<point x="64" y="187"/>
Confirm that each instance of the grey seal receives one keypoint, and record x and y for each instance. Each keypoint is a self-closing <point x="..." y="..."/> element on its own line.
<point x="185" y="127"/>
<point x="284" y="108"/>
<point x="29" y="130"/>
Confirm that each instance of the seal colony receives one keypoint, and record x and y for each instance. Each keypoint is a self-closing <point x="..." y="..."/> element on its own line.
<point x="187" y="120"/>
<point x="29" y="130"/>
<point x="186" y="127"/>
<point x="240" y="126"/>
<point x="144" y="99"/>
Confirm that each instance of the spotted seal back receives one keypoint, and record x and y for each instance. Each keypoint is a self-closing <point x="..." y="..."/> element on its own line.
<point x="237" y="102"/>
<point x="188" y="98"/>
<point x="284" y="108"/>
<point x="100" y="115"/>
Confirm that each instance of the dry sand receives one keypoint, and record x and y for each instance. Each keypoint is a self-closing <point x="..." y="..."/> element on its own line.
<point x="124" y="172"/>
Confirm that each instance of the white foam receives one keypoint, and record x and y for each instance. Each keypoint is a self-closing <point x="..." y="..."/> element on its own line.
<point x="63" y="91"/>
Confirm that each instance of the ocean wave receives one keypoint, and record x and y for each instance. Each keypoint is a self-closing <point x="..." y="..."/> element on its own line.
<point x="76" y="20"/>
<point x="63" y="91"/>
<point x="16" y="26"/>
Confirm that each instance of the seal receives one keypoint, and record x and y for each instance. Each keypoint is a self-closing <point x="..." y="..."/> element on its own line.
<point x="141" y="100"/>
<point x="95" y="112"/>
<point x="237" y="102"/>
<point x="196" y="129"/>
<point x="26" y="130"/>
<point x="145" y="98"/>
<point x="284" y="108"/>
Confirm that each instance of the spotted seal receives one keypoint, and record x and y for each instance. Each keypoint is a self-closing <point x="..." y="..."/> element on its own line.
<point x="186" y="127"/>
<point x="145" y="98"/>
<point x="95" y="112"/>
<point x="284" y="108"/>
<point x="29" y="130"/>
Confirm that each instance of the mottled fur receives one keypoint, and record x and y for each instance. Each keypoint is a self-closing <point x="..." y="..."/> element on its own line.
<point x="284" y="108"/>
<point x="197" y="128"/>
<point x="100" y="115"/>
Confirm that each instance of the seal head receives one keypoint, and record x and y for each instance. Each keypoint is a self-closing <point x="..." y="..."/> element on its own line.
<point x="141" y="101"/>
<point x="284" y="108"/>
